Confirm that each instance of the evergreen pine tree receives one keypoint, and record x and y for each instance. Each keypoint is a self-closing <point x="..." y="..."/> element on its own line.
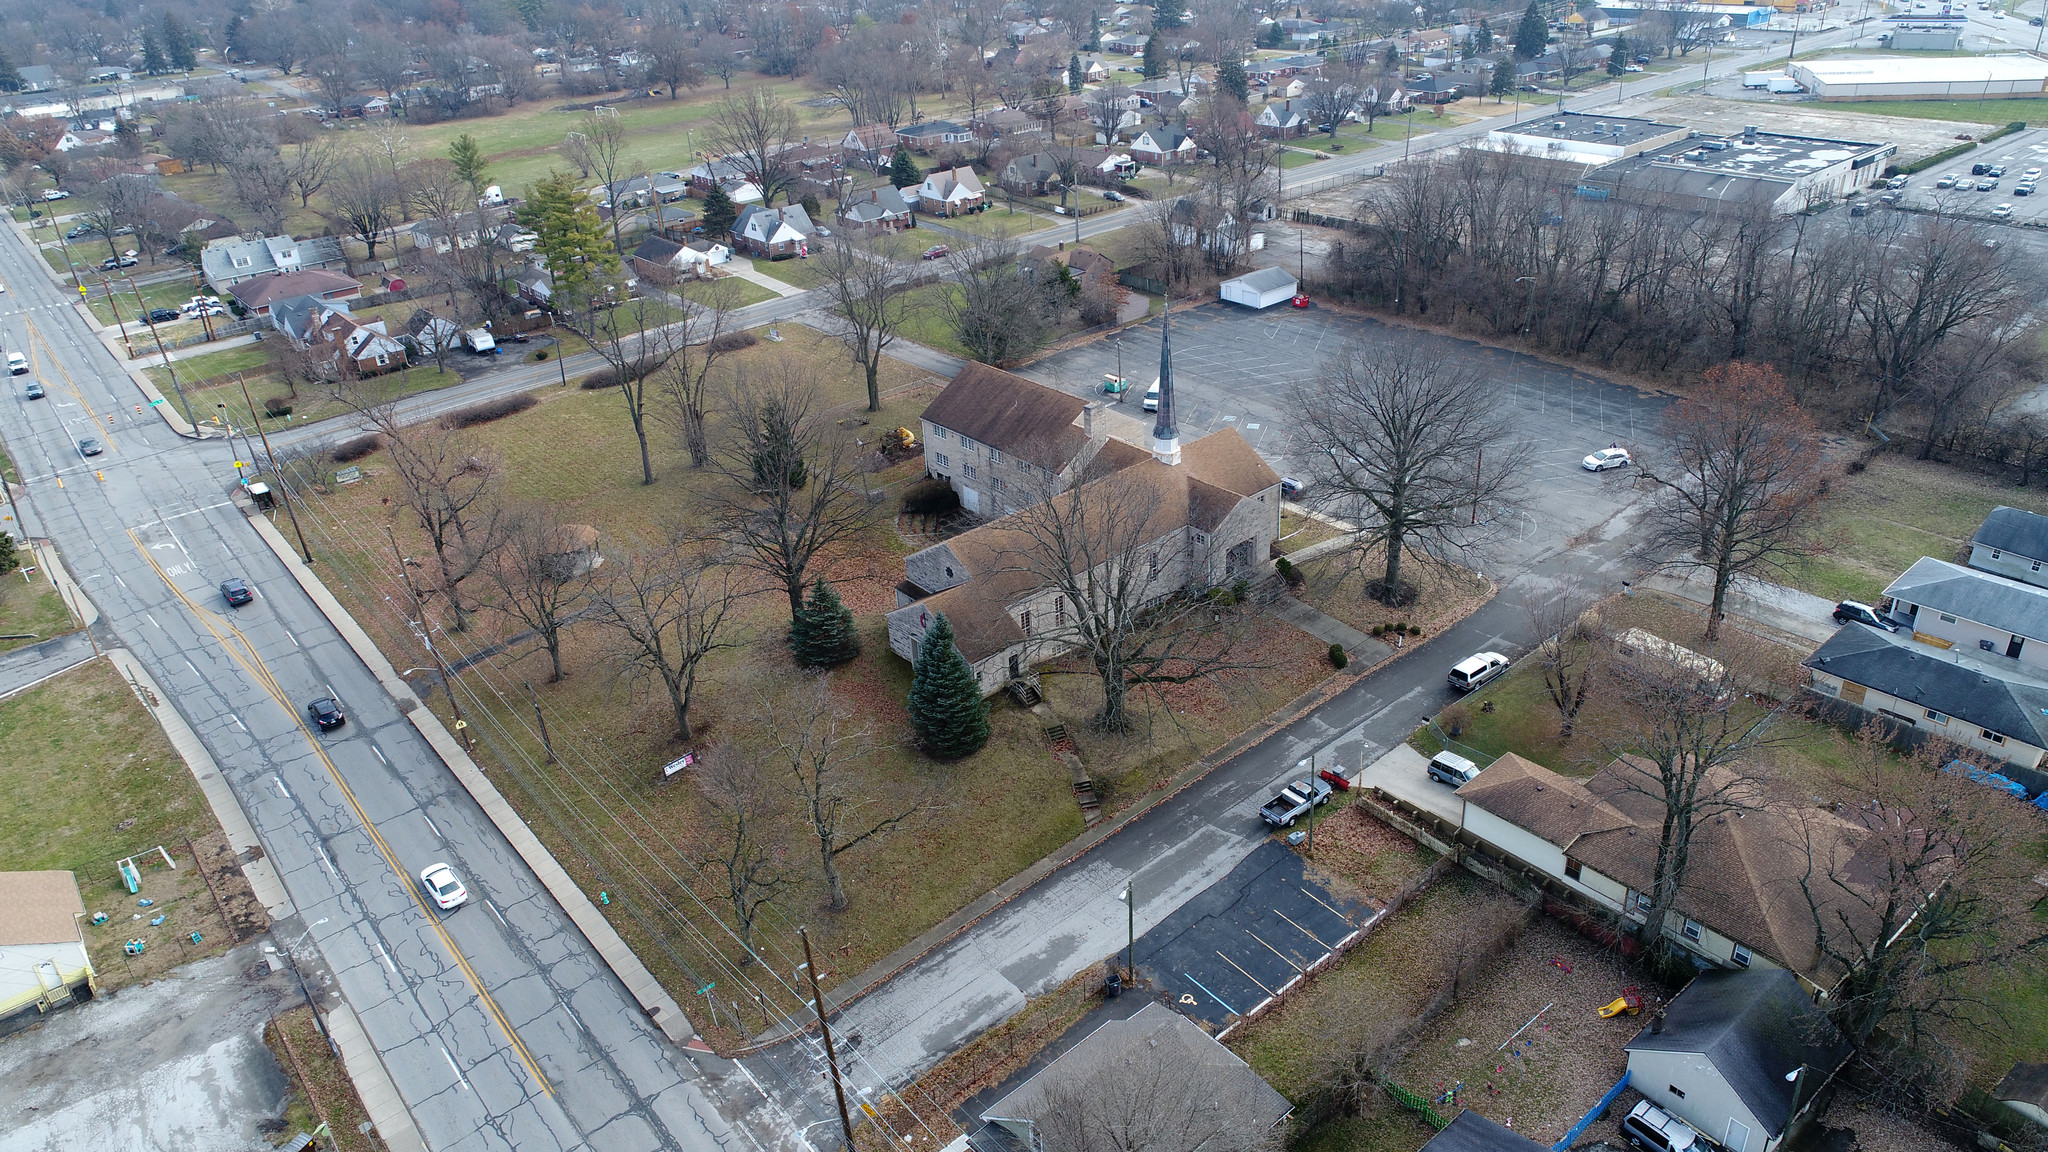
<point x="946" y="706"/>
<point x="812" y="208"/>
<point x="1155" y="57"/>
<point x="1391" y="60"/>
<point x="1617" y="61"/>
<point x="10" y="78"/>
<point x="1532" y="35"/>
<point x="1169" y="14"/>
<point x="1074" y="73"/>
<point x="1095" y="31"/>
<point x="9" y="558"/>
<point x="232" y="38"/>
<point x="1230" y="78"/>
<point x="719" y="212"/>
<point x="1276" y="35"/>
<point x="903" y="171"/>
<point x="1482" y="39"/>
<point x="577" y="247"/>
<point x="823" y="635"/>
<point x="1503" y="80"/>
<point x="178" y="45"/>
<point x="153" y="54"/>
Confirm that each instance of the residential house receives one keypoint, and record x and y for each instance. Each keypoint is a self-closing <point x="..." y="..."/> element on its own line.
<point x="1168" y="86"/>
<point x="347" y="347"/>
<point x="881" y="208"/>
<point x="1035" y="175"/>
<point x="256" y="296"/>
<point x="1980" y="700"/>
<point x="870" y="146"/>
<point x="641" y="192"/>
<point x="43" y="959"/>
<point x="773" y="233"/>
<point x="1949" y="606"/>
<point x="738" y="184"/>
<point x="1130" y="43"/>
<point x="1165" y="144"/>
<point x="931" y="135"/>
<point x="1303" y="64"/>
<point x="951" y="193"/>
<point x="295" y="317"/>
<point x="671" y="220"/>
<point x="1003" y="123"/>
<point x="1743" y="1057"/>
<point x="1468" y="1131"/>
<point x="443" y="236"/>
<point x="1154" y="1037"/>
<point x="1205" y="226"/>
<point x="230" y="262"/>
<point x="535" y="284"/>
<point x="1213" y="512"/>
<point x="1283" y="120"/>
<point x="1105" y="162"/>
<point x="515" y="238"/>
<point x="2012" y="542"/>
<point x="39" y="78"/>
<point x="660" y="261"/>
<point x="1595" y="840"/>
<point x="430" y="332"/>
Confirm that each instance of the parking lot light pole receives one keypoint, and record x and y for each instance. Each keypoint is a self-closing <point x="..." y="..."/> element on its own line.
<point x="1130" y="899"/>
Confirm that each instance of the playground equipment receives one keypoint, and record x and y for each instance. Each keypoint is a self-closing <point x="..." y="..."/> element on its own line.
<point x="1630" y="1002"/>
<point x="132" y="876"/>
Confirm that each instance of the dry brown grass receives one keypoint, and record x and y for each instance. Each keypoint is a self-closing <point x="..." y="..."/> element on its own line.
<point x="1446" y="593"/>
<point x="321" y="1089"/>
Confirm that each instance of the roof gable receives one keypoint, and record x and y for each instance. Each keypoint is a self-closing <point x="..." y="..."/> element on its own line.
<point x="1755" y="1027"/>
<point x="1005" y="411"/>
<point x="2014" y="530"/>
<point x="2005" y="700"/>
<point x="1974" y="595"/>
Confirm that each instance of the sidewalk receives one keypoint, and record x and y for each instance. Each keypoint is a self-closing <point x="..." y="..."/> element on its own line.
<point x="743" y="268"/>
<point x="1363" y="650"/>
<point x="1802" y="614"/>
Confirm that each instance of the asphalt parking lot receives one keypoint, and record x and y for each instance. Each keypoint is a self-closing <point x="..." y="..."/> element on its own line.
<point x="1248" y="936"/>
<point x="2018" y="152"/>
<point x="1237" y="368"/>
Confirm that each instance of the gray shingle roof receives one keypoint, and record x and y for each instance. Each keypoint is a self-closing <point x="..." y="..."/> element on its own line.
<point x="1471" y="1132"/>
<point x="1266" y="279"/>
<point x="1978" y="691"/>
<point x="2014" y="530"/>
<point x="1755" y="1027"/>
<point x="1990" y="600"/>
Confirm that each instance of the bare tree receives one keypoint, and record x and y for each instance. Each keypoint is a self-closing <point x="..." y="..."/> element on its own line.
<point x="795" y="489"/>
<point x="261" y="185"/>
<point x="576" y="150"/>
<point x="866" y="287"/>
<point x="308" y="167"/>
<point x="753" y="130"/>
<point x="449" y="484"/>
<point x="1737" y="492"/>
<point x="671" y="60"/>
<point x="817" y="739"/>
<point x="1108" y="583"/>
<point x="740" y="845"/>
<point x="684" y="382"/>
<point x="634" y="344"/>
<point x="1568" y="656"/>
<point x="604" y="140"/>
<point x="1415" y="450"/>
<point x="1000" y="314"/>
<point x="1936" y="889"/>
<point x="670" y="607"/>
<point x="364" y="197"/>
<point x="1156" y="1100"/>
<point x="542" y="571"/>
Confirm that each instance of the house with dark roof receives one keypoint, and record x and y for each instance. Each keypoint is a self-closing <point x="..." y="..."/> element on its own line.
<point x="1744" y="1057"/>
<point x="2012" y="542"/>
<point x="1283" y="119"/>
<point x="1210" y="512"/>
<point x="951" y="193"/>
<point x="256" y="296"/>
<point x="932" y="134"/>
<point x="1949" y="606"/>
<point x="346" y="347"/>
<point x="773" y="232"/>
<point x="869" y="145"/>
<point x="657" y="260"/>
<point x="1166" y="144"/>
<point x="881" y="208"/>
<point x="1471" y="1132"/>
<point x="1741" y="905"/>
<point x="1978" y="699"/>
<point x="1033" y="175"/>
<point x="295" y="317"/>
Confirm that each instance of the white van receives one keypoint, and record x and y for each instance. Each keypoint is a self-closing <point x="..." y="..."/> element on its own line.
<point x="1453" y="769"/>
<point x="16" y="364"/>
<point x="1152" y="397"/>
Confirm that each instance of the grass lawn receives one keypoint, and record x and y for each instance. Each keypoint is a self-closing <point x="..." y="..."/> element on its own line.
<point x="320" y="1085"/>
<point x="250" y="359"/>
<point x="1336" y="585"/>
<point x="311" y="404"/>
<point x="997" y="223"/>
<point x="929" y="319"/>
<point x="1883" y="519"/>
<point x="740" y="292"/>
<point x="89" y="779"/>
<point x="1298" y="531"/>
<point x="169" y="295"/>
<point x="795" y="271"/>
<point x="1291" y="158"/>
<point x="31" y="604"/>
<point x="2001" y="112"/>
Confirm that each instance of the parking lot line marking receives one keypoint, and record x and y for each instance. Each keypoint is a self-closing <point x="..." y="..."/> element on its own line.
<point x="1300" y="929"/>
<point x="1247" y="975"/>
<point x="1273" y="950"/>
<point x="1312" y="896"/>
<point x="1203" y="987"/>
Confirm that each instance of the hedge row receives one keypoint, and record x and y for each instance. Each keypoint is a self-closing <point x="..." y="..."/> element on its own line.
<point x="488" y="411"/>
<point x="1922" y="165"/>
<point x="357" y="448"/>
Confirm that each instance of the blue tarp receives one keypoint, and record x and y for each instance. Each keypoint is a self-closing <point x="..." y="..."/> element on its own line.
<point x="1987" y="777"/>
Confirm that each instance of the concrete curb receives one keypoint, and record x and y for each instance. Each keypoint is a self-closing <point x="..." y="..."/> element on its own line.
<point x="75" y="598"/>
<point x="654" y="1000"/>
<point x="374" y="1086"/>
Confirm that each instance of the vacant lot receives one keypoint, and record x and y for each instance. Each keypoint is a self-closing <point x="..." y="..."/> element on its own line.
<point x="90" y="779"/>
<point x="31" y="608"/>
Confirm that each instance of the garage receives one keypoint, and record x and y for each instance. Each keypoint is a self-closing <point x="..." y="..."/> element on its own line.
<point x="1261" y="289"/>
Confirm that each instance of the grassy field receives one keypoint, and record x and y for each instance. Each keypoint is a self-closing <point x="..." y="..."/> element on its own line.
<point x="31" y="604"/>
<point x="89" y="779"/>
<point x="740" y="292"/>
<point x="251" y="359"/>
<point x="169" y="295"/>
<point x="1883" y="519"/>
<point x="930" y="320"/>
<point x="2001" y="112"/>
<point x="794" y="271"/>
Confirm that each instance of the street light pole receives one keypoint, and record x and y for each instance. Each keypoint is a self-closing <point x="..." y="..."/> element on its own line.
<point x="283" y="489"/>
<point x="1131" y="926"/>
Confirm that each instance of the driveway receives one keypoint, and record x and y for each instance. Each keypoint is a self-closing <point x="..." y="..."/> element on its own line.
<point x="179" y="1063"/>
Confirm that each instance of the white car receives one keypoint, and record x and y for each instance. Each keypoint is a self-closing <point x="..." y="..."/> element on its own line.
<point x="1476" y="669"/>
<point x="2031" y="174"/>
<point x="16" y="364"/>
<point x="440" y="882"/>
<point x="1604" y="459"/>
<point x="2002" y="212"/>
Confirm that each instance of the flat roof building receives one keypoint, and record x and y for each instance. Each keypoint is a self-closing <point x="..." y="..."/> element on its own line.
<point x="1749" y="168"/>
<point x="1578" y="138"/>
<point x="1918" y="78"/>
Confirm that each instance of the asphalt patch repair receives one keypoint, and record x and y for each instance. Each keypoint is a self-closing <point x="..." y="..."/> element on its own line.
<point x="1249" y="937"/>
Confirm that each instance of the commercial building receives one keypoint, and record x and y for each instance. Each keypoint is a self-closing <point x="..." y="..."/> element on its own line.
<point x="1914" y="78"/>
<point x="1750" y="169"/>
<point x="1578" y="138"/>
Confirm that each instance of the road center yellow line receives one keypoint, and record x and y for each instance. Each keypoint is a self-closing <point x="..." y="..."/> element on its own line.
<point x="36" y="337"/>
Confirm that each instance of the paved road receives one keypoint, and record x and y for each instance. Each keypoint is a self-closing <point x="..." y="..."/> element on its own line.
<point x="496" y="1021"/>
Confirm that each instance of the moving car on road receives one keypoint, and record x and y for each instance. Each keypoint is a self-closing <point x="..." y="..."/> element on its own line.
<point x="936" y="251"/>
<point x="236" y="591"/>
<point x="90" y="447"/>
<point x="440" y="882"/>
<point x="1604" y="459"/>
<point x="16" y="364"/>
<point x="34" y="391"/>
<point x="326" y="713"/>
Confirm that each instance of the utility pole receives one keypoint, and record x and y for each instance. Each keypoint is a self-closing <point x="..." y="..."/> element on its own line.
<point x="831" y="1057"/>
<point x="283" y="489"/>
<point x="1131" y="925"/>
<point x="545" y="742"/>
<point x="168" y="366"/>
<point x="420" y="627"/>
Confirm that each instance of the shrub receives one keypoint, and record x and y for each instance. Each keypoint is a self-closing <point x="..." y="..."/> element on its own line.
<point x="356" y="449"/>
<point x="927" y="497"/>
<point x="1287" y="571"/>
<point x="1379" y="630"/>
<point x="541" y="354"/>
<point x="608" y="377"/>
<point x="1337" y="657"/>
<point x="602" y="378"/>
<point x="1455" y="719"/>
<point x="277" y="406"/>
<point x="731" y="342"/>
<point x="488" y="411"/>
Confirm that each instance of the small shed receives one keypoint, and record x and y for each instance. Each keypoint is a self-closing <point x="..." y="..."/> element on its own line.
<point x="1261" y="289"/>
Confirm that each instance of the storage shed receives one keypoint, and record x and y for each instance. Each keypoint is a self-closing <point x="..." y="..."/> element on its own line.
<point x="1261" y="289"/>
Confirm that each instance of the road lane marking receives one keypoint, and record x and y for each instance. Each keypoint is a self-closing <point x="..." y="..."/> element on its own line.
<point x="386" y="956"/>
<point x="495" y="912"/>
<point x="434" y="826"/>
<point x="242" y="651"/>
<point x="454" y="1069"/>
<point x="281" y="789"/>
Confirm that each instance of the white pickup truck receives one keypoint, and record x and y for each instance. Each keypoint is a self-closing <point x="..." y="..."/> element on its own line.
<point x="1294" y="802"/>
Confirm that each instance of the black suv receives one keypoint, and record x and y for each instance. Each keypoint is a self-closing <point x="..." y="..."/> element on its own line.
<point x="158" y="316"/>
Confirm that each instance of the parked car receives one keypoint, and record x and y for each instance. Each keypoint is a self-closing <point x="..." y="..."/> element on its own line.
<point x="1476" y="669"/>
<point x="1451" y="768"/>
<point x="1987" y="185"/>
<point x="2031" y="174"/>
<point x="56" y="194"/>
<point x="236" y="591"/>
<point x="440" y="882"/>
<point x="936" y="251"/>
<point x="2002" y="212"/>
<point x="80" y="232"/>
<point x="1112" y="194"/>
<point x="1979" y="168"/>
<point x="1606" y="458"/>
<point x="2023" y="190"/>
<point x="1654" y="1130"/>
<point x="158" y="316"/>
<point x="1152" y="397"/>
<point x="326" y="713"/>
<point x="1898" y="182"/>
<point x="1996" y="170"/>
<point x="1631" y="67"/>
<point x="90" y="447"/>
<point x="1861" y="613"/>
<point x="113" y="262"/>
<point x="1295" y="801"/>
<point x="1948" y="181"/>
<point x="34" y="391"/>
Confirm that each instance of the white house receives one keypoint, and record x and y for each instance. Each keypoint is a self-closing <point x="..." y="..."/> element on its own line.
<point x="1260" y="289"/>
<point x="2012" y="542"/>
<point x="1282" y="119"/>
<point x="42" y="943"/>
<point x="232" y="261"/>
<point x="1949" y="606"/>
<point x="1167" y="144"/>
<point x="1740" y="1056"/>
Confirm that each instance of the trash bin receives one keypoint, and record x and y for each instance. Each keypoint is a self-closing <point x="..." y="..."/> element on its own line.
<point x="1114" y="986"/>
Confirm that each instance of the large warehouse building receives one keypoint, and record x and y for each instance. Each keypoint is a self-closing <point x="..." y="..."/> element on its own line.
<point x="1738" y="172"/>
<point x="1907" y="78"/>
